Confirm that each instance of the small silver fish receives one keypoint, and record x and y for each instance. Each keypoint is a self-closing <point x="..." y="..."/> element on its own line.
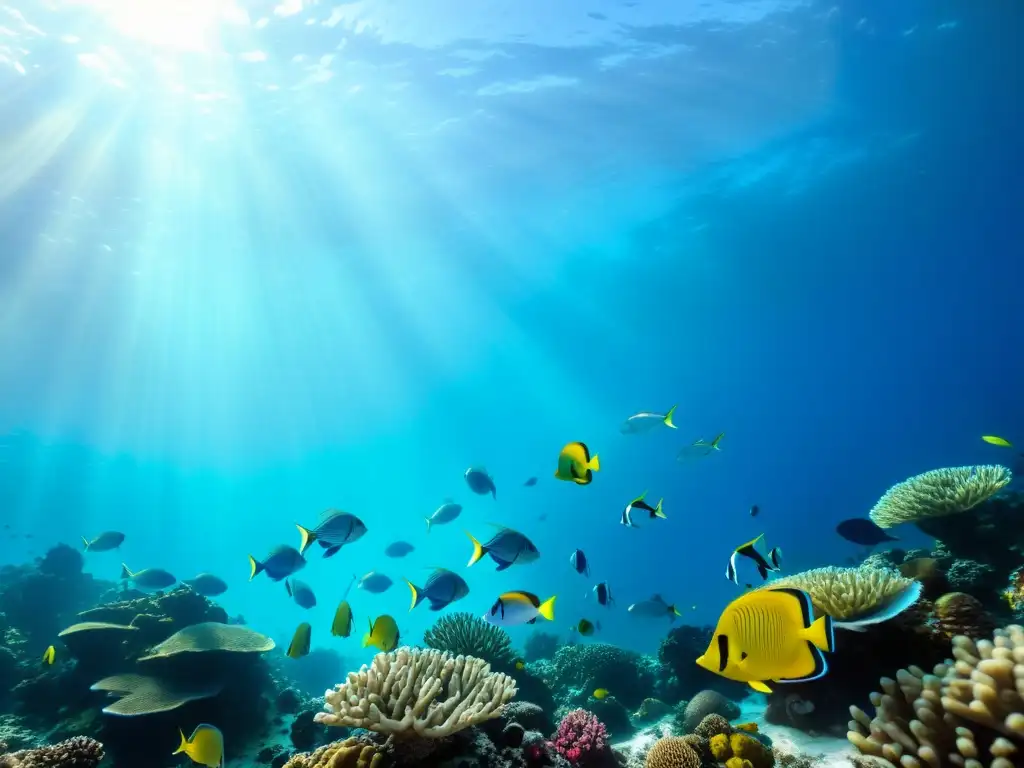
<point x="375" y="583"/>
<point x="207" y="585"/>
<point x="148" y="579"/>
<point x="447" y="512"/>
<point x="645" y="421"/>
<point x="700" y="448"/>
<point x="654" y="608"/>
<point x="105" y="542"/>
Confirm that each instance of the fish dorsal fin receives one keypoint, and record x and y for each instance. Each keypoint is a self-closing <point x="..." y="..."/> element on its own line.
<point x="367" y="575"/>
<point x="447" y="500"/>
<point x="657" y="598"/>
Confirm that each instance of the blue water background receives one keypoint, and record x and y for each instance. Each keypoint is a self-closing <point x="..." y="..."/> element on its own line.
<point x="819" y="255"/>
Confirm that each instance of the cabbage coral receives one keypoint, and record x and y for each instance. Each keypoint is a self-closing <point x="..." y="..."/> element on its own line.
<point x="848" y="594"/>
<point x="938" y="493"/>
<point x="968" y="713"/>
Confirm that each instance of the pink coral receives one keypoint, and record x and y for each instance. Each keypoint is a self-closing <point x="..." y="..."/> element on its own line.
<point x="580" y="737"/>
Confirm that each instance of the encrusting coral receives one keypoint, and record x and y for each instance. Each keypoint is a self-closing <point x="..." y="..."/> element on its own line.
<point x="970" y="712"/>
<point x="938" y="493"/>
<point x="848" y="593"/>
<point x="463" y="634"/>
<point x="80" y="752"/>
<point x="672" y="752"/>
<point x="412" y="690"/>
<point x="350" y="753"/>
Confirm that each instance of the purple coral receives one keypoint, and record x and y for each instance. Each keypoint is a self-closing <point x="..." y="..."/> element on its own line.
<point x="580" y="737"/>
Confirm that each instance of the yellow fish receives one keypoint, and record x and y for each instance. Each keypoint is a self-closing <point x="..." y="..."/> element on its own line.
<point x="576" y="465"/>
<point x="601" y="693"/>
<point x="770" y="634"/>
<point x="299" y="645"/>
<point x="342" y="624"/>
<point x="49" y="655"/>
<point x="383" y="634"/>
<point x="748" y="727"/>
<point x="205" y="746"/>
<point x="520" y="664"/>
<point x="1000" y="441"/>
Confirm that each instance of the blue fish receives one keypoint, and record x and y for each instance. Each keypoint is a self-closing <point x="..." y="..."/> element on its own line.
<point x="300" y="592"/>
<point x="208" y="585"/>
<point x="148" y="579"/>
<point x="334" y="530"/>
<point x="281" y="563"/>
<point x="506" y="548"/>
<point x="442" y="588"/>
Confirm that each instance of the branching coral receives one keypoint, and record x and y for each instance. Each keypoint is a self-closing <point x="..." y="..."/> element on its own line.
<point x="80" y="751"/>
<point x="968" y="713"/>
<point x="849" y="594"/>
<point x="463" y="634"/>
<point x="425" y="692"/>
<point x="938" y="493"/>
<point x="581" y="737"/>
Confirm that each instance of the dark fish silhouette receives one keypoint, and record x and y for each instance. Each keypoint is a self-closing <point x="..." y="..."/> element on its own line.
<point x="754" y="510"/>
<point x="861" y="530"/>
<point x="531" y="481"/>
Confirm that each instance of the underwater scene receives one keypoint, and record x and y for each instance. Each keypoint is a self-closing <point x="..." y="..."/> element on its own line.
<point x="509" y="384"/>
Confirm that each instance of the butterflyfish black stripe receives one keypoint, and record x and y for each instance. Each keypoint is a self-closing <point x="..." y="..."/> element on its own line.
<point x="723" y="652"/>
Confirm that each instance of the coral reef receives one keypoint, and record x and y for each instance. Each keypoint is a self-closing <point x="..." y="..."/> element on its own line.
<point x="350" y="753"/>
<point x="540" y="645"/>
<point x="957" y="613"/>
<point x="969" y="712"/>
<point x="577" y="670"/>
<point x="672" y="752"/>
<point x="711" y="726"/>
<point x="581" y="738"/>
<point x="741" y="747"/>
<point x="463" y="634"/>
<point x="428" y="692"/>
<point x="79" y="752"/>
<point x="677" y="652"/>
<point x="705" y="704"/>
<point x="939" y="493"/>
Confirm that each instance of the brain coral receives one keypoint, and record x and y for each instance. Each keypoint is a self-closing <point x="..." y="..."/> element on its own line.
<point x="939" y="492"/>
<point x="848" y="593"/>
<point x="672" y="752"/>
<point x="968" y="713"/>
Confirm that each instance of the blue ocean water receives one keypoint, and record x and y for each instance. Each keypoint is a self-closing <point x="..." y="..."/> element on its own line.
<point x="260" y="259"/>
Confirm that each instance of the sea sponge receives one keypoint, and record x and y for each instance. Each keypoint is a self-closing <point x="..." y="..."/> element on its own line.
<point x="145" y="695"/>
<point x="426" y="692"/>
<point x="939" y="492"/>
<point x="847" y="594"/>
<point x="749" y="749"/>
<point x="719" y="746"/>
<point x="957" y="613"/>
<point x="211" y="636"/>
<point x="968" y="713"/>
<point x="463" y="634"/>
<point x="350" y="753"/>
<point x="672" y="752"/>
<point x="738" y="762"/>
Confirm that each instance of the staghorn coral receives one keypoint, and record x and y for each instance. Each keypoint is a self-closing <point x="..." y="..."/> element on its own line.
<point x="672" y="752"/>
<point x="426" y="692"/>
<point x="703" y="704"/>
<point x="938" y="493"/>
<point x="79" y="752"/>
<point x="211" y="636"/>
<point x="581" y="737"/>
<point x="145" y="695"/>
<point x="847" y="594"/>
<point x="350" y="753"/>
<point x="463" y="634"/>
<point x="968" y="713"/>
<point x="957" y="613"/>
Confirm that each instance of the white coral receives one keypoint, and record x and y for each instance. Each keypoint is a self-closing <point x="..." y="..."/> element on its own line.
<point x="938" y="493"/>
<point x="428" y="692"/>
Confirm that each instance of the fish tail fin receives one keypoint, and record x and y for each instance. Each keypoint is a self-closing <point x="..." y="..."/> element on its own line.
<point x="417" y="598"/>
<point x="308" y="537"/>
<point x="714" y="444"/>
<point x="907" y="598"/>
<point x="594" y="464"/>
<point x="821" y="634"/>
<point x="547" y="608"/>
<point x="126" y="572"/>
<point x="668" y="417"/>
<point x="658" y="511"/>
<point x="479" y="550"/>
<point x="85" y="543"/>
<point x="428" y="523"/>
<point x="255" y="567"/>
<point x="184" y="743"/>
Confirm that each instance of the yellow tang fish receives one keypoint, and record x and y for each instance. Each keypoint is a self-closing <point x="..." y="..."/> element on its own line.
<point x="575" y="464"/>
<point x="342" y="624"/>
<point x="748" y="727"/>
<point x="205" y="746"/>
<point x="383" y="634"/>
<point x="770" y="634"/>
<point x="1000" y="441"/>
<point x="299" y="645"/>
<point x="49" y="655"/>
<point x="601" y="694"/>
<point x="520" y="664"/>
